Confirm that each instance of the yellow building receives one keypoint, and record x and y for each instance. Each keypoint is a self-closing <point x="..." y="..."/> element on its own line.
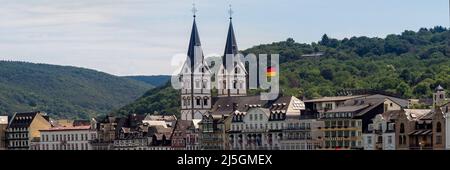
<point x="24" y="128"/>
<point x="344" y="125"/>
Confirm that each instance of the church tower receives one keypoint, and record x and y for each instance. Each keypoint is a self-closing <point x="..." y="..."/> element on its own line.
<point x="438" y="97"/>
<point x="195" y="78"/>
<point x="232" y="75"/>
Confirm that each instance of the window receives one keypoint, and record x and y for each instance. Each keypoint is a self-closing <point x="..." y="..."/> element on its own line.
<point x="402" y="128"/>
<point x="205" y="101"/>
<point x="438" y="139"/>
<point x="236" y="70"/>
<point x="197" y="84"/>
<point x="204" y="84"/>
<point x="389" y="139"/>
<point x="438" y="127"/>
<point x="235" y="85"/>
<point x="198" y="102"/>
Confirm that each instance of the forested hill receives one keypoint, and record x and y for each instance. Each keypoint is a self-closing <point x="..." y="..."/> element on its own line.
<point x="63" y="92"/>
<point x="155" y="81"/>
<point x="410" y="64"/>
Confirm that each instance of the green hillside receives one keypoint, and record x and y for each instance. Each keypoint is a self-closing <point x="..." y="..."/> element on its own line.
<point x="410" y="64"/>
<point x="63" y="92"/>
<point x="155" y="81"/>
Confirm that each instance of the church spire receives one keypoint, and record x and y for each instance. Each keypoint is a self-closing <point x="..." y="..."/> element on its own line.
<point x="194" y="56"/>
<point x="231" y="45"/>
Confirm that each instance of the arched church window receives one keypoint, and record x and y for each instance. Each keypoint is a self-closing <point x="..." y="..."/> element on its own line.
<point x="438" y="127"/>
<point x="198" y="102"/>
<point x="205" y="101"/>
<point x="235" y="84"/>
<point x="224" y="85"/>
<point x="236" y="70"/>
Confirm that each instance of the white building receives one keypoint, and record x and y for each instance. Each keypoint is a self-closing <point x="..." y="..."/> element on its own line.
<point x="446" y="110"/>
<point x="381" y="133"/>
<point x="256" y="130"/>
<point x="67" y="138"/>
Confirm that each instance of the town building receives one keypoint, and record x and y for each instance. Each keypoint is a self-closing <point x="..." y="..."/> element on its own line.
<point x="260" y="126"/>
<point x="107" y="130"/>
<point x="169" y="120"/>
<point x="447" y="125"/>
<point x="345" y="124"/>
<point x="381" y="132"/>
<point x="185" y="135"/>
<point x="425" y="130"/>
<point x="3" y="127"/>
<point x="302" y="132"/>
<point x="67" y="138"/>
<point x="23" y="132"/>
<point x="405" y="124"/>
<point x="212" y="130"/>
<point x="159" y="138"/>
<point x="324" y="104"/>
<point x="421" y="131"/>
<point x="132" y="133"/>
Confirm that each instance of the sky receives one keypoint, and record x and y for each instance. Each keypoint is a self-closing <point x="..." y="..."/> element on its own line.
<point x="140" y="37"/>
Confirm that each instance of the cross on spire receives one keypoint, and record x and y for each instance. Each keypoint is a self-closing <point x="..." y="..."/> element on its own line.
<point x="231" y="12"/>
<point x="194" y="10"/>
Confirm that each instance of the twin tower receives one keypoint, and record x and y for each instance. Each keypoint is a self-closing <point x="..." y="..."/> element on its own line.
<point x="195" y="76"/>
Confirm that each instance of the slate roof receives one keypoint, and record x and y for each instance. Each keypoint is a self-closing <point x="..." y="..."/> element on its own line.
<point x="159" y="132"/>
<point x="23" y="120"/>
<point x="334" y="98"/>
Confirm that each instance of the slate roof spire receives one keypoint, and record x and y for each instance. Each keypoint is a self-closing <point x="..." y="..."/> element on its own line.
<point x="231" y="45"/>
<point x="194" y="43"/>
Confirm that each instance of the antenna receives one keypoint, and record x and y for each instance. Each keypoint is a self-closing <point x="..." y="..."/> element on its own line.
<point x="194" y="10"/>
<point x="231" y="12"/>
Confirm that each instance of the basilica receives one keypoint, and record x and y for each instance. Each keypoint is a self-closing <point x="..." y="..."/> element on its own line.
<point x="221" y="115"/>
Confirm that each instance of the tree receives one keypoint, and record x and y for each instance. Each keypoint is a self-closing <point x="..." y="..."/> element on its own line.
<point x="327" y="74"/>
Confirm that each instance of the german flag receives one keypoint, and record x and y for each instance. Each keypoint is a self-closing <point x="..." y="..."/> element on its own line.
<point x="271" y="72"/>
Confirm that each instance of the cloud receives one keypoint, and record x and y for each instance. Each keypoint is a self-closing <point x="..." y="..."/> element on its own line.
<point x="126" y="37"/>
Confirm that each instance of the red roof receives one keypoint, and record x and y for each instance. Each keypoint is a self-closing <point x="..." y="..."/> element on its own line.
<point x="68" y="128"/>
